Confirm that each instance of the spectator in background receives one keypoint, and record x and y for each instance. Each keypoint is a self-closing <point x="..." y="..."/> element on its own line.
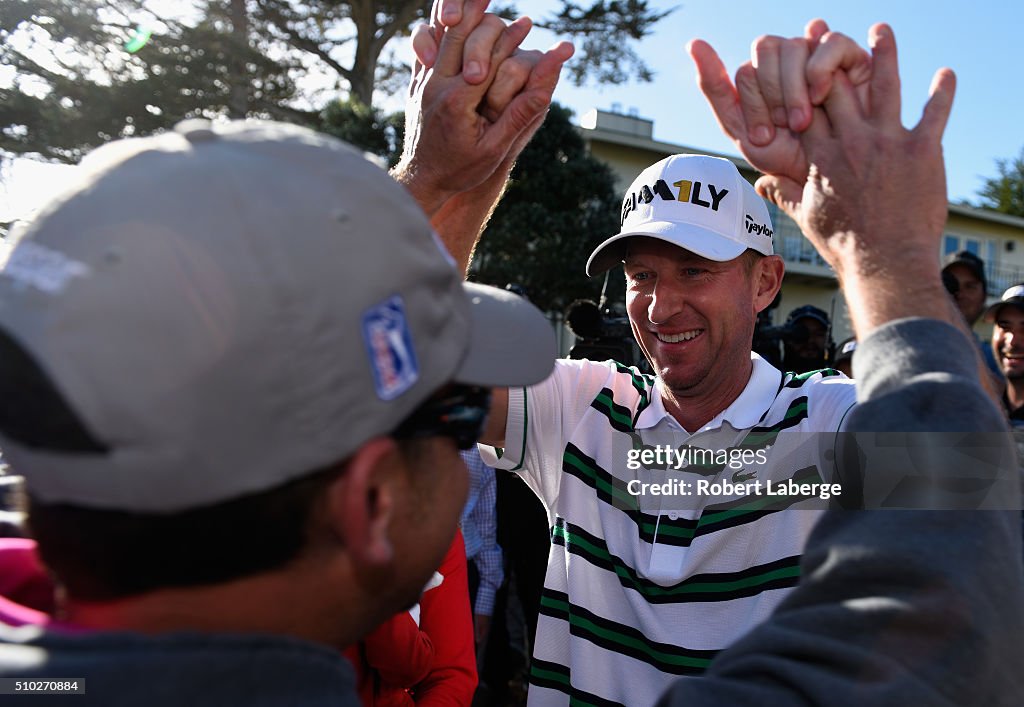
<point x="422" y="656"/>
<point x="480" y="531"/>
<point x="445" y="617"/>
<point x="807" y="341"/>
<point x="843" y="361"/>
<point x="1007" y="316"/>
<point x="524" y="538"/>
<point x="391" y="660"/>
<point x="964" y="275"/>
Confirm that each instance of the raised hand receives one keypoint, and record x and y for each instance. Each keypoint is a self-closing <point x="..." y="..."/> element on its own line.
<point x="774" y="93"/>
<point x="874" y="200"/>
<point x="478" y="59"/>
<point x="456" y="138"/>
<point x="869" y="176"/>
<point x="463" y="137"/>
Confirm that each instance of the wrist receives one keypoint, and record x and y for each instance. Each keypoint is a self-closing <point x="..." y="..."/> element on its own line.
<point x="430" y="198"/>
<point x="880" y="295"/>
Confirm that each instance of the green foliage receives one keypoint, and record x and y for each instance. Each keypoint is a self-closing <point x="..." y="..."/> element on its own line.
<point x="604" y="34"/>
<point x="365" y="127"/>
<point x="1005" y="193"/>
<point x="78" y="80"/>
<point x="560" y="204"/>
<point x="76" y="87"/>
<point x="346" y="39"/>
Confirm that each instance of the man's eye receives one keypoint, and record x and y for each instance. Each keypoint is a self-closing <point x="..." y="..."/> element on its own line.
<point x="639" y="276"/>
<point x="693" y="272"/>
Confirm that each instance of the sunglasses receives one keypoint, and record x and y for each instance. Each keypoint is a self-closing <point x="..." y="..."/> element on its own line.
<point x="456" y="411"/>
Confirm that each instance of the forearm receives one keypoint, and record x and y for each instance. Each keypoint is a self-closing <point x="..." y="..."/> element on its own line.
<point x="461" y="220"/>
<point x="876" y="294"/>
<point x="489" y="565"/>
<point x="895" y="606"/>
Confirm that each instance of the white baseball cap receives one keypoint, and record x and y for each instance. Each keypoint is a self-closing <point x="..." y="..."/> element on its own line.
<point x="1014" y="296"/>
<point x="699" y="203"/>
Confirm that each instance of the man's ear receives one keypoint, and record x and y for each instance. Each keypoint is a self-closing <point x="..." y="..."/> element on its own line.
<point x="362" y="501"/>
<point x="768" y="272"/>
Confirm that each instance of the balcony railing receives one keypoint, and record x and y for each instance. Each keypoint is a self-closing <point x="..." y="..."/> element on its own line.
<point x="790" y="243"/>
<point x="794" y="247"/>
<point x="1002" y="277"/>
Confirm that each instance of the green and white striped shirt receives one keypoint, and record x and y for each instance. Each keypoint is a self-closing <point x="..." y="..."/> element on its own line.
<point x="641" y="589"/>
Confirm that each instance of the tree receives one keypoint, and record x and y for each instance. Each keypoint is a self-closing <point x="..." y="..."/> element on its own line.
<point x="365" y="127"/>
<point x="1005" y="193"/>
<point x="559" y="205"/>
<point x="82" y="77"/>
<point x="77" y="86"/>
<point x="602" y="33"/>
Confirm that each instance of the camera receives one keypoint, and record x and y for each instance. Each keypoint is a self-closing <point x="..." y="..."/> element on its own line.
<point x="794" y="346"/>
<point x="603" y="335"/>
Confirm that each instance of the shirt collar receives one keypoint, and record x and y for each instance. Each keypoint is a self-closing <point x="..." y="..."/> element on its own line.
<point x="745" y="411"/>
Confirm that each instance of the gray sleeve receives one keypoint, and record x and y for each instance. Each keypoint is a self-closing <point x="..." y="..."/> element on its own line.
<point x="894" y="607"/>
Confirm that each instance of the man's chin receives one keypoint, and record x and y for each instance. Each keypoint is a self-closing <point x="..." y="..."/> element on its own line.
<point x="677" y="381"/>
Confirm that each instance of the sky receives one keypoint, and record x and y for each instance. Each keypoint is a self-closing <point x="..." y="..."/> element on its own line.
<point x="977" y="40"/>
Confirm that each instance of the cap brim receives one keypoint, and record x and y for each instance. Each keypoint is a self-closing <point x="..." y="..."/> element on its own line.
<point x="702" y="241"/>
<point x="990" y="313"/>
<point x="821" y="320"/>
<point x="976" y="268"/>
<point x="512" y="343"/>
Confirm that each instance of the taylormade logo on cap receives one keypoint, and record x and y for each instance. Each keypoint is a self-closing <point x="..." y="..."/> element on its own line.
<point x="699" y="203"/>
<point x="760" y="229"/>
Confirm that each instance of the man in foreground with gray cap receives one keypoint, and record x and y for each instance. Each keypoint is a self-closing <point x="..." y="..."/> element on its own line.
<point x="878" y="616"/>
<point x="237" y="368"/>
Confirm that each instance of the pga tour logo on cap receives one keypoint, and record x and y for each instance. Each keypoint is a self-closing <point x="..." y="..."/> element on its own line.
<point x="389" y="344"/>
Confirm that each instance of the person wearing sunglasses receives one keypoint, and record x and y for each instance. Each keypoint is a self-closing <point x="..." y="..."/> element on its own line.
<point x="237" y="370"/>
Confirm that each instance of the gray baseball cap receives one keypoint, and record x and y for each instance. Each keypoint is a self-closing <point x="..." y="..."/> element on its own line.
<point x="227" y="307"/>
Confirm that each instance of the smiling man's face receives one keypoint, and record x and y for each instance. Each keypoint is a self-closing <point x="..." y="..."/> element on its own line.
<point x="693" y="317"/>
<point x="1008" y="341"/>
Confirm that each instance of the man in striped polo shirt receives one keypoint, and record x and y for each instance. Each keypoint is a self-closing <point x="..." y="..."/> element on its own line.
<point x="668" y="542"/>
<point x="648" y="577"/>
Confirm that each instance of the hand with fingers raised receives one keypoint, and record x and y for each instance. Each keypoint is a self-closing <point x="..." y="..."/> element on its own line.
<point x="868" y="193"/>
<point x="475" y="100"/>
<point x="771" y="101"/>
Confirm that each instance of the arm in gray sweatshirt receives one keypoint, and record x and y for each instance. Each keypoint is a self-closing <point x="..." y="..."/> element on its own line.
<point x="894" y="607"/>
